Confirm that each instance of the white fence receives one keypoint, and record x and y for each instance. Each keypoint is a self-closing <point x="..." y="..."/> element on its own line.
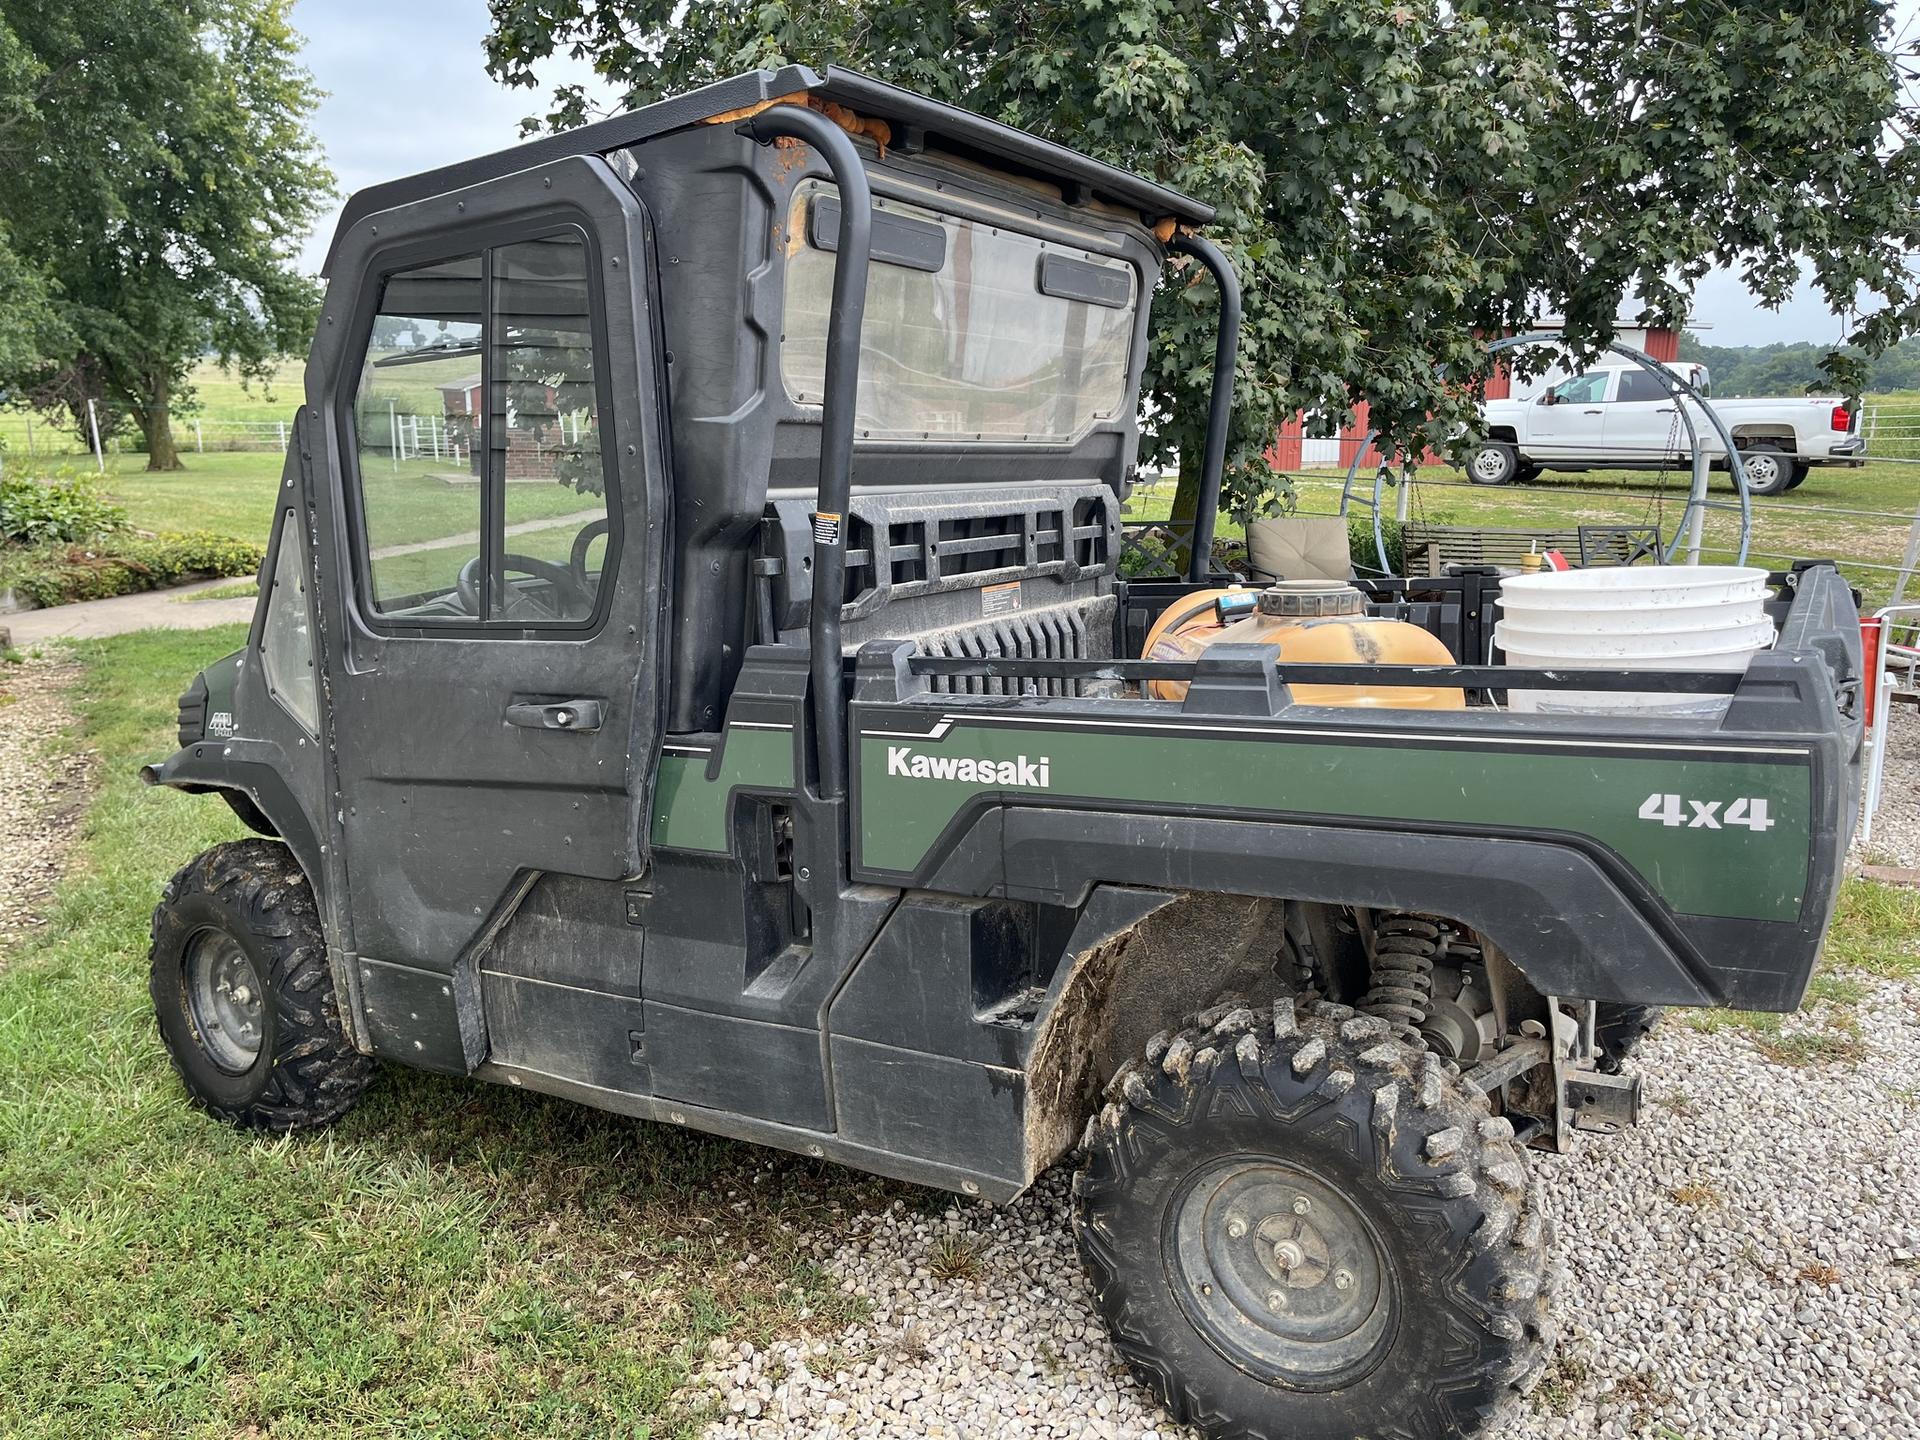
<point x="1892" y="432"/>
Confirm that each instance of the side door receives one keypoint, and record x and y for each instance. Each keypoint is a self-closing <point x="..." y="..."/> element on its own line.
<point x="1643" y="424"/>
<point x="490" y="520"/>
<point x="1569" y="419"/>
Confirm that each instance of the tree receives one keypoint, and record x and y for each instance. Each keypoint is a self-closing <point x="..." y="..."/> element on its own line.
<point x="29" y="328"/>
<point x="1394" y="180"/>
<point x="154" y="161"/>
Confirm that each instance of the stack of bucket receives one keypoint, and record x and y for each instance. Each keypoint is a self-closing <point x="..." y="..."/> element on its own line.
<point x="1698" y="618"/>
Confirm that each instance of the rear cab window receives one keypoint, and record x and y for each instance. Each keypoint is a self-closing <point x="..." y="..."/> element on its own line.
<point x="973" y="331"/>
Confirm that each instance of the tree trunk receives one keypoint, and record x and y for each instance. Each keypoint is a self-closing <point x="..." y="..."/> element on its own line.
<point x="1186" y="506"/>
<point x="156" y="423"/>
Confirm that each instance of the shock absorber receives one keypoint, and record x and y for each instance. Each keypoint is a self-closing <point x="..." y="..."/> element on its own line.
<point x="1400" y="982"/>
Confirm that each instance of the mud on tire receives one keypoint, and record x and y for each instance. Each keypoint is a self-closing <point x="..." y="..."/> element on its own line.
<point x="243" y="994"/>
<point x="1257" y="1159"/>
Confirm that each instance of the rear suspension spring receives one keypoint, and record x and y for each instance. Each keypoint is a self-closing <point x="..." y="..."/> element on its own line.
<point x="1401" y="980"/>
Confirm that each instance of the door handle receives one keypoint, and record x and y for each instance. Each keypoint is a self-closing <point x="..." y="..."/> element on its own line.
<point x="581" y="715"/>
<point x="1593" y="412"/>
<point x="1664" y="410"/>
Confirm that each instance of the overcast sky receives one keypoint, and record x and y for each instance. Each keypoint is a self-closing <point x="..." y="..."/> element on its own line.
<point x="408" y="90"/>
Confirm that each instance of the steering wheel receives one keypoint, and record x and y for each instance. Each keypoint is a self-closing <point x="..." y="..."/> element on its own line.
<point x="577" y="559"/>
<point x="572" y="594"/>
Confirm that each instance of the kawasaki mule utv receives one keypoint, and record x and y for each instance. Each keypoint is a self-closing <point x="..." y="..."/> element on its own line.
<point x="693" y="676"/>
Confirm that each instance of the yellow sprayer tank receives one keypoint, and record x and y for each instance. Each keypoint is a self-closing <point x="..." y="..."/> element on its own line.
<point x="1322" y="622"/>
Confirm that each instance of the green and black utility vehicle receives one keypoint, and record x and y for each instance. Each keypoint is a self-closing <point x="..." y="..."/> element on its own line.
<point x="693" y="676"/>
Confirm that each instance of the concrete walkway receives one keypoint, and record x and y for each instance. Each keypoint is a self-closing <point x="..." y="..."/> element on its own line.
<point x="149" y="610"/>
<point x="163" y="610"/>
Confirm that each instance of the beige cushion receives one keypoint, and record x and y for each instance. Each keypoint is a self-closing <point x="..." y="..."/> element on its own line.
<point x="1299" y="547"/>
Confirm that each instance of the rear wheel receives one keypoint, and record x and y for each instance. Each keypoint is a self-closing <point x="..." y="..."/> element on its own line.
<point x="1298" y="1227"/>
<point x="1769" y="470"/>
<point x="1494" y="463"/>
<point x="243" y="995"/>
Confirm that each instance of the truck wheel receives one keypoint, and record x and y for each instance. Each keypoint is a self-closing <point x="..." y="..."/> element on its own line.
<point x="1618" y="1031"/>
<point x="1800" y="473"/>
<point x="1494" y="463"/>
<point x="1300" y="1228"/>
<point x="1769" y="471"/>
<point x="243" y="995"/>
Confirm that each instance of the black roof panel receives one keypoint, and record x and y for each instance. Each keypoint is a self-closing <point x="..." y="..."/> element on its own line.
<point x="956" y="129"/>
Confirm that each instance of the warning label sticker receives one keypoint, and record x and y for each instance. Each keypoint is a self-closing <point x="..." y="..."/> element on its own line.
<point x="1000" y="599"/>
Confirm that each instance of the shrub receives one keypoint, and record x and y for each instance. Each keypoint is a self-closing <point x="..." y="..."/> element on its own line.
<point x="66" y="507"/>
<point x="1360" y="546"/>
<point x="57" y="574"/>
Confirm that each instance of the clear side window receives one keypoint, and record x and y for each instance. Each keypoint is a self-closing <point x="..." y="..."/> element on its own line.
<point x="1587" y="389"/>
<point x="546" y="432"/>
<point x="417" y="423"/>
<point x="482" y="486"/>
<point x="286" y="639"/>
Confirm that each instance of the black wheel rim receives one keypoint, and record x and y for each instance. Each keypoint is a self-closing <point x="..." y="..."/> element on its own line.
<point x="224" y="1000"/>
<point x="1281" y="1273"/>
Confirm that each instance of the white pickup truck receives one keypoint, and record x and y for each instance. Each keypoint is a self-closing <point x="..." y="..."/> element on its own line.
<point x="1623" y="417"/>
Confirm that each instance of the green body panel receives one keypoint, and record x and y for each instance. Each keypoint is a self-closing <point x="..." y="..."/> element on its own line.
<point x="690" y="811"/>
<point x="1596" y="790"/>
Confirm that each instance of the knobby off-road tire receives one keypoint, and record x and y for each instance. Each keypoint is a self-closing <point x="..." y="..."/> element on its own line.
<point x="1300" y="1228"/>
<point x="1618" y="1031"/>
<point x="243" y="995"/>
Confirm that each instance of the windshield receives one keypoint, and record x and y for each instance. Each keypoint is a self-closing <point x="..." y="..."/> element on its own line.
<point x="972" y="332"/>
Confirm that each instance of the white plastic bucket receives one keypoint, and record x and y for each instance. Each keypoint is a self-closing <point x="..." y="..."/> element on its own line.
<point x="1632" y="587"/>
<point x="1698" y="618"/>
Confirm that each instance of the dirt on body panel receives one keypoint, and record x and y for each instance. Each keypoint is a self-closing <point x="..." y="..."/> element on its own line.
<point x="1180" y="959"/>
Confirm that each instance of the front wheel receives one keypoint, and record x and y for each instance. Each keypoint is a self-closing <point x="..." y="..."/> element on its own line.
<point x="1301" y="1227"/>
<point x="1769" y="471"/>
<point x="1494" y="463"/>
<point x="243" y="995"/>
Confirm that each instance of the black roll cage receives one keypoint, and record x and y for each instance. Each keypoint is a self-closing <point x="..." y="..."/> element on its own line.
<point x="834" y="489"/>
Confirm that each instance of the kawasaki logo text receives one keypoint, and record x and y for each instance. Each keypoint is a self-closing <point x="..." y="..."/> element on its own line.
<point x="1034" y="774"/>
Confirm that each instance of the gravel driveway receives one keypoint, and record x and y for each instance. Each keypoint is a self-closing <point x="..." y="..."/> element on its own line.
<point x="42" y="790"/>
<point x="1896" y="829"/>
<point x="1742" y="1266"/>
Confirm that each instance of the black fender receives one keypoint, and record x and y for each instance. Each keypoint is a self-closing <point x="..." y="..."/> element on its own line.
<point x="1572" y="918"/>
<point x="250" y="775"/>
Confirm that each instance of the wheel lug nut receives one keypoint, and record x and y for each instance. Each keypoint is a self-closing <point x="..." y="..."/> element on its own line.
<point x="1342" y="1280"/>
<point x="1276" y="1300"/>
<point x="1237" y="1228"/>
<point x="1301" y="1205"/>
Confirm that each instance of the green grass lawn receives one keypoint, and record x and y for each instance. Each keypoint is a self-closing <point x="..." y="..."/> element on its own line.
<point x="455" y="1259"/>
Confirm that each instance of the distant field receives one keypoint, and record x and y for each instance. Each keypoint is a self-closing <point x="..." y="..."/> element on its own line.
<point x="231" y="491"/>
<point x="222" y="399"/>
